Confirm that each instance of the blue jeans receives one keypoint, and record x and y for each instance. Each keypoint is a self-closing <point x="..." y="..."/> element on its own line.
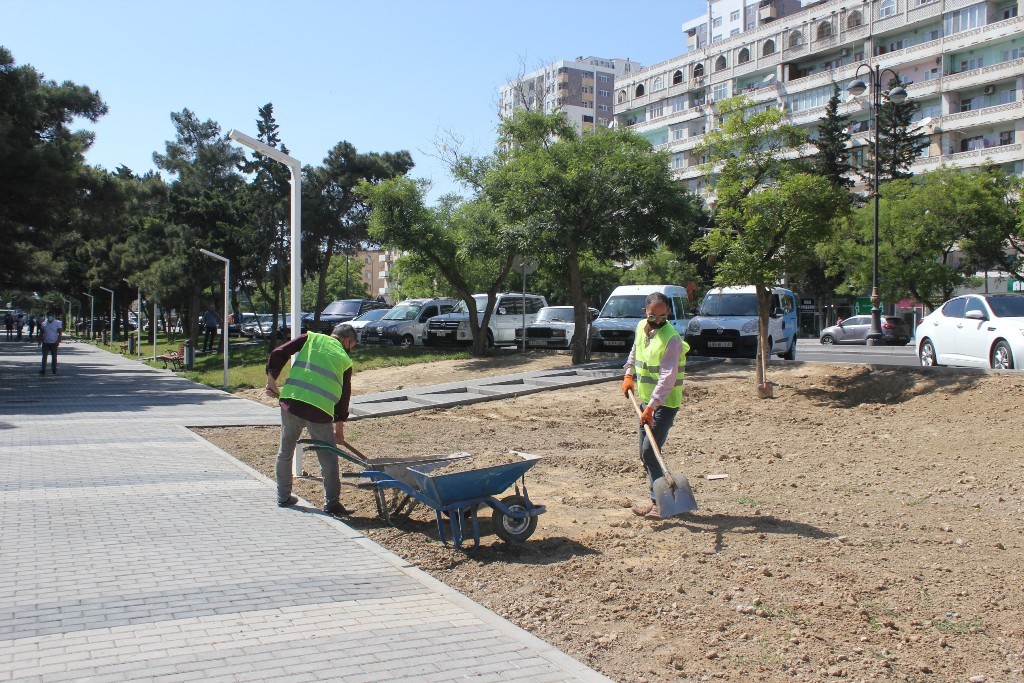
<point x="663" y="419"/>
<point x="291" y="430"/>
<point x="50" y="349"/>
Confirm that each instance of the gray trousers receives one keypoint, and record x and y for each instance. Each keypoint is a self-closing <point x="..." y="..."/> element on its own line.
<point x="291" y="430"/>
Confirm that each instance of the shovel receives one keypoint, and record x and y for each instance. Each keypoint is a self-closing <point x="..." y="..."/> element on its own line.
<point x="671" y="492"/>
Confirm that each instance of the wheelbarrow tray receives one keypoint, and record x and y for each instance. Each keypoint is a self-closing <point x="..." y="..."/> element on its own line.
<point x="470" y="485"/>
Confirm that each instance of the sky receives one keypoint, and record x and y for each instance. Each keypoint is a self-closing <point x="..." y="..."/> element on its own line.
<point x="385" y="75"/>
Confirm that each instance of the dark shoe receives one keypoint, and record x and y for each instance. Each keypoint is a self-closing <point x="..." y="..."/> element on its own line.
<point x="292" y="500"/>
<point x="338" y="510"/>
<point x="42" y="372"/>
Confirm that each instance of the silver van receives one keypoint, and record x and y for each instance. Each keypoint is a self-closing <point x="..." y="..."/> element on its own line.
<point x="405" y="324"/>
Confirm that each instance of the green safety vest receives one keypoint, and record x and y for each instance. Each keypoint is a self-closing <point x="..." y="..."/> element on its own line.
<point x="317" y="373"/>
<point x="647" y="360"/>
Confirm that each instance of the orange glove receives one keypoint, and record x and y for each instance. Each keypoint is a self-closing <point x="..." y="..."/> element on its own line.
<point x="628" y="385"/>
<point x="647" y="418"/>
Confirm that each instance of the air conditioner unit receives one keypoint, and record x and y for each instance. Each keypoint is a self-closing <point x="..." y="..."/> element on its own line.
<point x="990" y="89"/>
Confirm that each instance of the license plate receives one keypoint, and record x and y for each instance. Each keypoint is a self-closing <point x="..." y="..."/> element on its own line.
<point x="371" y="337"/>
<point x="615" y="343"/>
<point x="720" y="345"/>
<point x="536" y="342"/>
<point x="441" y="333"/>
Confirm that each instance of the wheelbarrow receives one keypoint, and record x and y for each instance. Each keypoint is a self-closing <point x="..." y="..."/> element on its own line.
<point x="456" y="496"/>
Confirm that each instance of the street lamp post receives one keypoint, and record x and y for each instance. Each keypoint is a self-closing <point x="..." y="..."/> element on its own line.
<point x="92" y="314"/>
<point x="111" y="310"/>
<point x="295" y="167"/>
<point x="138" y="320"/>
<point x="895" y="95"/>
<point x="224" y="319"/>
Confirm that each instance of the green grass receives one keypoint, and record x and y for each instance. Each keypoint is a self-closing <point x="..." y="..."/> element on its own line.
<point x="960" y="627"/>
<point x="246" y="362"/>
<point x="752" y="502"/>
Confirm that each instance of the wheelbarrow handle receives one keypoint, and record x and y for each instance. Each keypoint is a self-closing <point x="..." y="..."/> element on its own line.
<point x="650" y="435"/>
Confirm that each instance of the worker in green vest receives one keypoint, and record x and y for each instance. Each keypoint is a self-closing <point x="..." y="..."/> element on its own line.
<point x="658" y="359"/>
<point x="315" y="396"/>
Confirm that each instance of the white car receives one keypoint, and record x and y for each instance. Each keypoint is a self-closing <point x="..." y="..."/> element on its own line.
<point x="984" y="330"/>
<point x="553" y="328"/>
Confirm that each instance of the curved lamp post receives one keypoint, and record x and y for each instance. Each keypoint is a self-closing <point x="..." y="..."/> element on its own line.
<point x="224" y="320"/>
<point x="105" y="289"/>
<point x="896" y="95"/>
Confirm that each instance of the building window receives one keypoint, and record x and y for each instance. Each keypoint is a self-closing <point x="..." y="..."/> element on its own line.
<point x="587" y="118"/>
<point x="971" y="144"/>
<point x="622" y="96"/>
<point x="972" y="64"/>
<point x="854" y="20"/>
<point x="604" y="78"/>
<point x="966" y="103"/>
<point x="678" y="133"/>
<point x="716" y="22"/>
<point x="734" y="15"/>
<point x="1006" y="137"/>
<point x="678" y="161"/>
<point x="1007" y="11"/>
<point x="678" y="104"/>
<point x="698" y="71"/>
<point x="720" y="92"/>
<point x="887" y="9"/>
<point x="659" y="84"/>
<point x="744" y="56"/>
<point x="640" y="90"/>
<point x="717" y="38"/>
<point x="734" y="32"/>
<point x="604" y="93"/>
<point x="750" y="26"/>
<point x="824" y="30"/>
<point x="1015" y="53"/>
<point x="796" y="39"/>
<point x="768" y="48"/>
<point x="1008" y="96"/>
<point x="964" y="20"/>
<point x="602" y="107"/>
<point x="720" y="63"/>
<point x="677" y="77"/>
<point x="656" y="110"/>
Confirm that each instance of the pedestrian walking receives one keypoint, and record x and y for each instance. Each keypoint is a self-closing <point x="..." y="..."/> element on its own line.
<point x="31" y="326"/>
<point x="19" y="325"/>
<point x="210" y="322"/>
<point x="315" y="395"/>
<point x="50" y="333"/>
<point x="658" y="359"/>
<point x="9" y="325"/>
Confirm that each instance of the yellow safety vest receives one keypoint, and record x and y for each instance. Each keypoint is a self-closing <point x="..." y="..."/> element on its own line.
<point x="317" y="372"/>
<point x="647" y="361"/>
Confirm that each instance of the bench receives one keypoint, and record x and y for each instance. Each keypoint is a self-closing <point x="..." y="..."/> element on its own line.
<point x="176" y="359"/>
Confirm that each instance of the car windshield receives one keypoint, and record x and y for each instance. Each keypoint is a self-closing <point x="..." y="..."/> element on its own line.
<point x="716" y="303"/>
<point x="403" y="313"/>
<point x="552" y="314"/>
<point x="481" y="303"/>
<point x="1006" y="306"/>
<point x="343" y="308"/>
<point x="371" y="315"/>
<point x="624" y="306"/>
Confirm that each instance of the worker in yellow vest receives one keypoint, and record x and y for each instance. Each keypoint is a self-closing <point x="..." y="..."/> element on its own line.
<point x="658" y="358"/>
<point x="315" y="396"/>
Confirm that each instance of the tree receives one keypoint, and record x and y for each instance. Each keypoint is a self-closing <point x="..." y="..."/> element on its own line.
<point x="769" y="214"/>
<point x="43" y="175"/>
<point x="605" y="193"/>
<point x="831" y="161"/>
<point x="466" y="241"/>
<point x="900" y="141"/>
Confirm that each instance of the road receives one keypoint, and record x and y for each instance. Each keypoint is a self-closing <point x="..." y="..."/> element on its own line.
<point x="812" y="350"/>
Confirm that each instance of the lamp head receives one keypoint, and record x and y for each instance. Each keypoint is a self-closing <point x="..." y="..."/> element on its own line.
<point x="897" y="94"/>
<point x="857" y="87"/>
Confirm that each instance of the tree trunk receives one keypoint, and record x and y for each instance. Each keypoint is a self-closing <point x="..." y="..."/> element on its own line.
<point x="581" y="316"/>
<point x="764" y="298"/>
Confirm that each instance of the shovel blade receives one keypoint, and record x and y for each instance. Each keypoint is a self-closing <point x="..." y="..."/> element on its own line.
<point x="674" y="499"/>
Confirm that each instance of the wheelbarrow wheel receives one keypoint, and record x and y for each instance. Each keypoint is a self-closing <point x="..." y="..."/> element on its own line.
<point x="511" y="529"/>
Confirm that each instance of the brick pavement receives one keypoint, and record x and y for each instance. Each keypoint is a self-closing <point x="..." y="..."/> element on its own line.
<point x="133" y="550"/>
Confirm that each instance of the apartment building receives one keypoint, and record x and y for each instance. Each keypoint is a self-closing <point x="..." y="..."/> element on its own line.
<point x="583" y="88"/>
<point x="962" y="62"/>
<point x="374" y="269"/>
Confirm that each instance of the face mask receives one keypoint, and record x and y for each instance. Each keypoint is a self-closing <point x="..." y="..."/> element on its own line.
<point x="657" y="324"/>
<point x="49" y="318"/>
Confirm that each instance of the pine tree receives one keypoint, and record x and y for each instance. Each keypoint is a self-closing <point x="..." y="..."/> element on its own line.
<point x="832" y="139"/>
<point x="899" y="141"/>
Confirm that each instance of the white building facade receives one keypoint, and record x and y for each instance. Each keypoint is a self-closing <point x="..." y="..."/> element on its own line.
<point x="962" y="62"/>
<point x="583" y="88"/>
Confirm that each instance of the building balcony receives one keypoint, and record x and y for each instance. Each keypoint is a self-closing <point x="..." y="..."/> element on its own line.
<point x="987" y="33"/>
<point x="983" y="76"/>
<point x="684" y="145"/>
<point x="1000" y="154"/>
<point x="1000" y="113"/>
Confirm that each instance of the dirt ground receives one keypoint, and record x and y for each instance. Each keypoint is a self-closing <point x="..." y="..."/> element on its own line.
<point x="869" y="527"/>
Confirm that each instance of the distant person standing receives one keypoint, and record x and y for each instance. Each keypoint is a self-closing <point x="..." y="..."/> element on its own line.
<point x="31" y="327"/>
<point x="19" y="325"/>
<point x="9" y="325"/>
<point x="210" y="322"/>
<point x="50" y="333"/>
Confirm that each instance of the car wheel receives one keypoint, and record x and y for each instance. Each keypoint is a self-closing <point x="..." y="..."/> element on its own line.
<point x="1002" y="357"/>
<point x="828" y="340"/>
<point x="407" y="341"/>
<point x="927" y="355"/>
<point x="791" y="353"/>
<point x="490" y="340"/>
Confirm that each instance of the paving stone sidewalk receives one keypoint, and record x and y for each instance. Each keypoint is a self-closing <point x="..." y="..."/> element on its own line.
<point x="133" y="550"/>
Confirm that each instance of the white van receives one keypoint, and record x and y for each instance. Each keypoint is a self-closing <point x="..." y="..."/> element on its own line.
<point x="726" y="323"/>
<point x="510" y="311"/>
<point x="615" y="327"/>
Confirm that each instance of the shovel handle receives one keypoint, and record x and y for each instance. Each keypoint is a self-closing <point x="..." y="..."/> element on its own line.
<point x="654" y="442"/>
<point x="353" y="449"/>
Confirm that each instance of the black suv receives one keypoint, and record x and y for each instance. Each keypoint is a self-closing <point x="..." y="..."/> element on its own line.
<point x="344" y="310"/>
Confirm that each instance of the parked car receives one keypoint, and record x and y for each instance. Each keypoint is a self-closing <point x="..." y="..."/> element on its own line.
<point x="405" y="324"/>
<point x="345" y="310"/>
<point x="285" y="328"/>
<point x="258" y="325"/>
<point x="854" y="330"/>
<point x="726" y="323"/>
<point x="508" y="314"/>
<point x="983" y="330"/>
<point x="360" y="322"/>
<point x="615" y="328"/>
<point x="554" y="328"/>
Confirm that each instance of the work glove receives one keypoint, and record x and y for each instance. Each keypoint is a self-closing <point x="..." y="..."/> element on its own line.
<point x="647" y="418"/>
<point x="628" y="385"/>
